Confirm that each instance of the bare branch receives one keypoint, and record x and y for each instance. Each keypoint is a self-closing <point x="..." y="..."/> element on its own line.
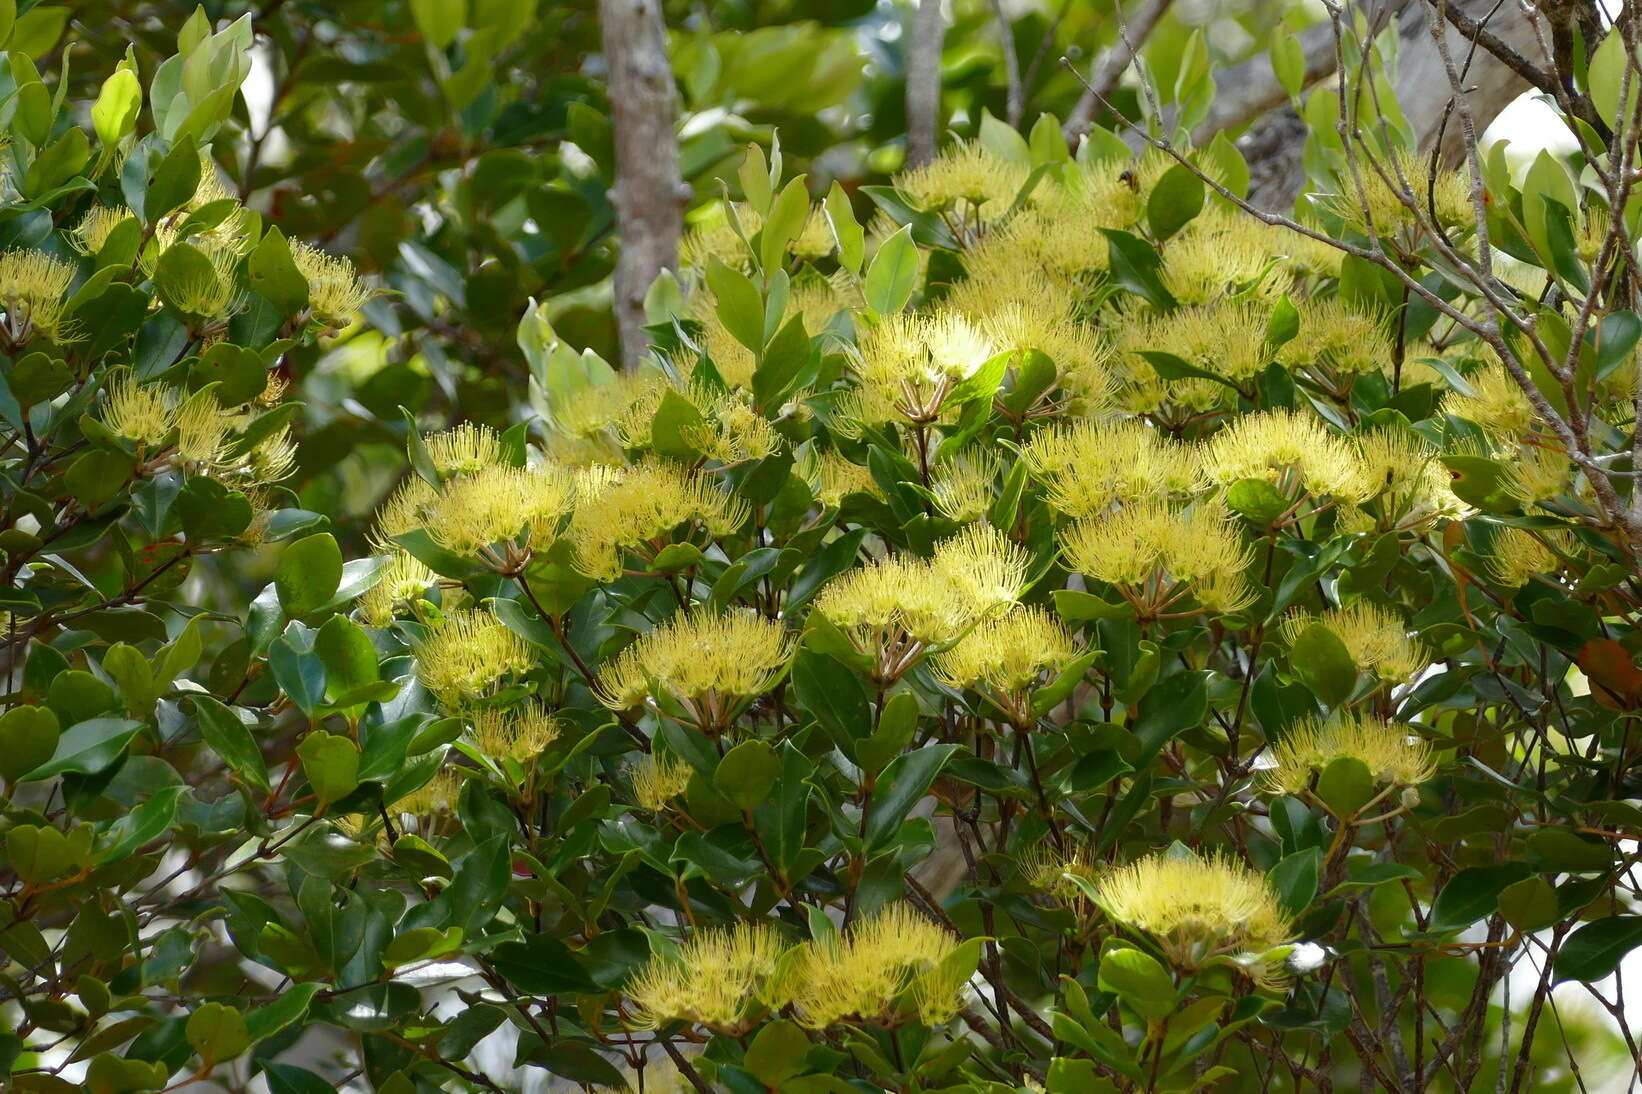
<point x="1015" y="102"/>
<point x="1103" y="79"/>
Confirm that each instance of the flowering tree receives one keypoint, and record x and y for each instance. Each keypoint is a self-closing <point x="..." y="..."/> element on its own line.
<point x="1043" y="623"/>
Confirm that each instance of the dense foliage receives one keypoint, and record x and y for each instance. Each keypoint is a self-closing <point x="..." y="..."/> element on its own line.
<point x="1031" y="625"/>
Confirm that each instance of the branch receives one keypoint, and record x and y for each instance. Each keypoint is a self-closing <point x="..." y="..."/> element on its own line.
<point x="649" y="195"/>
<point x="1104" y="79"/>
<point x="924" y="82"/>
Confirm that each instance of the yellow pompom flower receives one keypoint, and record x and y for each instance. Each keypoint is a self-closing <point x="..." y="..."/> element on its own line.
<point x="517" y="508"/>
<point x="909" y="363"/>
<point x="1407" y="478"/>
<point x="657" y="780"/>
<point x="33" y="289"/>
<point x="1538" y="473"/>
<point x="1086" y="467"/>
<point x="403" y="579"/>
<point x="1518" y="555"/>
<point x="463" y="450"/>
<point x="717" y="979"/>
<point x="335" y="293"/>
<point x="1293" y="451"/>
<point x="1224" y="252"/>
<point x="516" y="733"/>
<point x="467" y="653"/>
<point x="832" y="478"/>
<point x="202" y="430"/>
<point x="707" y="664"/>
<point x="1194" y="906"/>
<point x="887" y="969"/>
<point x="640" y="508"/>
<point x="894" y="609"/>
<point x="1496" y="403"/>
<point x="405" y="510"/>
<point x="435" y="798"/>
<point x="96" y="226"/>
<point x="1389" y="184"/>
<point x="1008" y="656"/>
<point x="1225" y="338"/>
<point x="1374" y="636"/>
<point x="1157" y="554"/>
<point x="1392" y="756"/>
<point x="965" y="179"/>
<point x="209" y="296"/>
<point x="144" y="414"/>
<point x="1335" y="344"/>
<point x="963" y="486"/>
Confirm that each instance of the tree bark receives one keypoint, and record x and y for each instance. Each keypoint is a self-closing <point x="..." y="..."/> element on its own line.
<point x="1104" y="76"/>
<point x="1273" y="144"/>
<point x="924" y="82"/>
<point x="649" y="195"/>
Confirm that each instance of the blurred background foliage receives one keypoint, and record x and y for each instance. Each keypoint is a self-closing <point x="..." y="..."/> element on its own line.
<point x="460" y="152"/>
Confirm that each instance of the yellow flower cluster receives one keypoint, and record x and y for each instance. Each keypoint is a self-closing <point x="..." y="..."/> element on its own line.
<point x="1374" y="635"/>
<point x="1496" y="402"/>
<point x="1392" y="757"/>
<point x="639" y="508"/>
<point x="33" y="290"/>
<point x="1195" y="906"/>
<point x="1009" y="655"/>
<point x="965" y="179"/>
<point x="657" y="780"/>
<point x="719" y="978"/>
<point x="1292" y="451"/>
<point x="894" y="609"/>
<point x="888" y="968"/>
<point x="1156" y="553"/>
<point x="463" y="450"/>
<point x="1086" y="467"/>
<point x="403" y="579"/>
<point x="705" y="663"/>
<point x="909" y="363"/>
<point x="500" y="504"/>
<point x="516" y="733"/>
<point x="1519" y="555"/>
<point x="335" y="293"/>
<point x="467" y="653"/>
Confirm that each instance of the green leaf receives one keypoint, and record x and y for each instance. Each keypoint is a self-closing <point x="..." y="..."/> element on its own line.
<point x="345" y="650"/>
<point x="1529" y="904"/>
<point x="1138" y="979"/>
<point x="28" y="738"/>
<point x="114" y="114"/>
<point x="777" y="1052"/>
<point x="746" y="773"/>
<point x="1257" y="500"/>
<point x="175" y="180"/>
<point x="739" y="306"/>
<point x="308" y="574"/>
<point x="97" y="477"/>
<point x="274" y="275"/>
<point x="1135" y="267"/>
<point x="1176" y="198"/>
<point x="141" y="826"/>
<point x="217" y="1032"/>
<point x="675" y="418"/>
<point x="1323" y="664"/>
<point x="893" y="274"/>
<point x="903" y="783"/>
<point x="439" y="20"/>
<point x="1472" y="894"/>
<point x="1557" y="851"/>
<point x="1295" y="879"/>
<point x="331" y="764"/>
<point x="1345" y="785"/>
<point x="781" y="364"/>
<point x="291" y="1006"/>
<point x="87" y="748"/>
<point x="1595" y="951"/>
<point x="232" y="741"/>
<point x="1288" y="61"/>
<point x="832" y="695"/>
<point x="785" y="221"/>
<point x="846" y="230"/>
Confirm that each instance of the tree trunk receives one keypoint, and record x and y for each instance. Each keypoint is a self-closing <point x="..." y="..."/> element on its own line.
<point x="649" y="195"/>
<point x="924" y="83"/>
